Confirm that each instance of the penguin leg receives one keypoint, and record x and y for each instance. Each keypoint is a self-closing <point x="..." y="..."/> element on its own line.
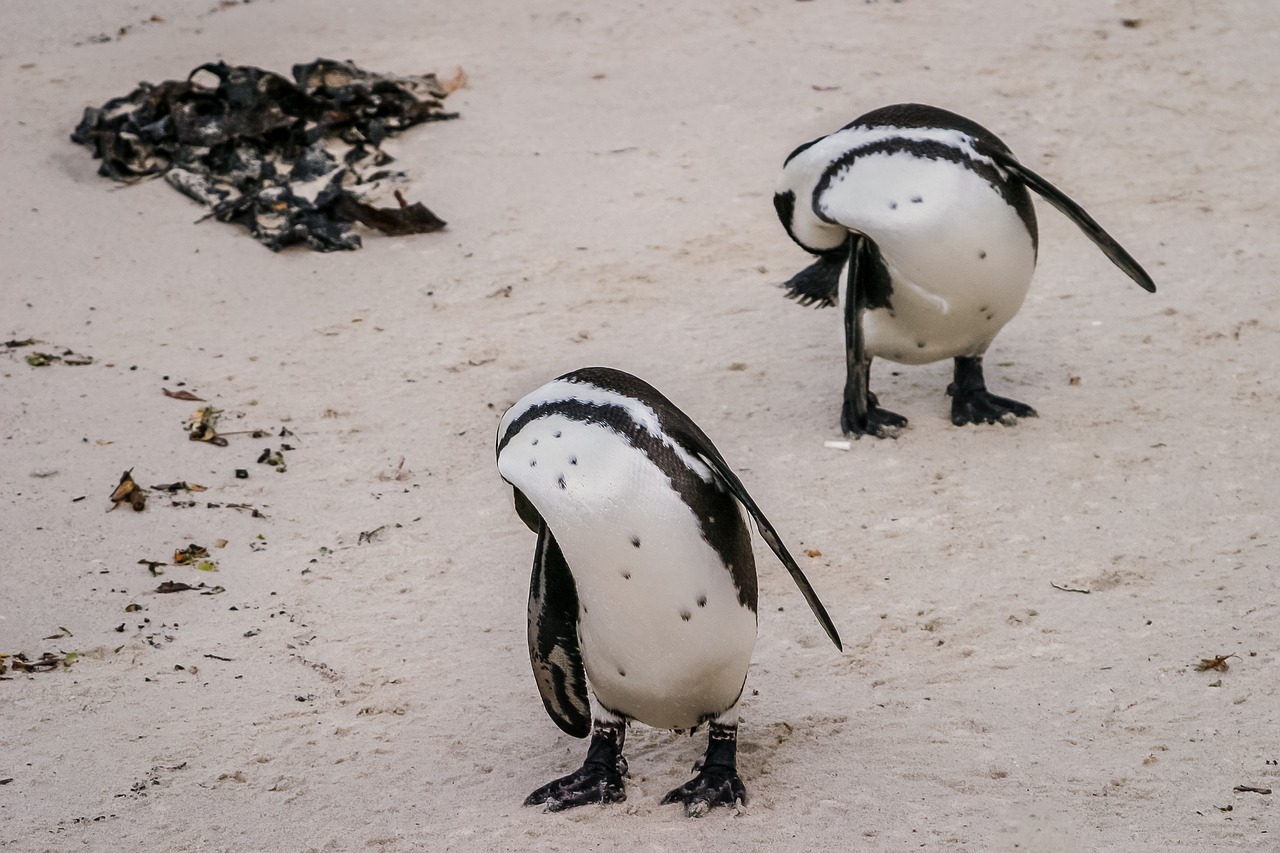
<point x="972" y="403"/>
<point x="878" y="422"/>
<point x="861" y="413"/>
<point x="599" y="779"/>
<point x="717" y="782"/>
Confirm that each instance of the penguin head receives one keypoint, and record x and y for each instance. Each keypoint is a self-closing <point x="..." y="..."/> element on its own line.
<point x="793" y="200"/>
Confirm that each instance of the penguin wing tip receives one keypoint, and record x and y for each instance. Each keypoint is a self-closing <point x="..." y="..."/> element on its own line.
<point x="574" y="728"/>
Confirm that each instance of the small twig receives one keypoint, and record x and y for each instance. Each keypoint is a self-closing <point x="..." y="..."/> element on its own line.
<point x="1069" y="588"/>
<point x="219" y="657"/>
<point x="1250" y="789"/>
<point x="1217" y="662"/>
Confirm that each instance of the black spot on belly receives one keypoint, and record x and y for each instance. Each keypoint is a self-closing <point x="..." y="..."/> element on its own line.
<point x="702" y="601"/>
<point x="982" y="255"/>
<point x="685" y="615"/>
<point x="635" y="541"/>
<point x="921" y="344"/>
<point x="984" y="309"/>
<point x="622" y="672"/>
<point x="533" y="463"/>
<point x="991" y="316"/>
<point x="573" y="460"/>
<point x="915" y="199"/>
<point x="893" y="205"/>
<point x="560" y="481"/>
<point x="626" y="576"/>
<point x="555" y="434"/>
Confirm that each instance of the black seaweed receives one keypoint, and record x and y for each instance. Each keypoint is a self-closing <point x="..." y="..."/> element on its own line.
<point x="245" y="146"/>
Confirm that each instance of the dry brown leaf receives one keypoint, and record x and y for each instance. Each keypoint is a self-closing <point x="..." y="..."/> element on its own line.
<point x="128" y="490"/>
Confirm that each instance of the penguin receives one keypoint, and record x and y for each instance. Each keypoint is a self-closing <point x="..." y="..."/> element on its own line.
<point x="643" y="598"/>
<point x="929" y="214"/>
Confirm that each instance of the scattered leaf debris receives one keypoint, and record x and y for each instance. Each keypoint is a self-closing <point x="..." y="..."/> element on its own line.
<point x="182" y="395"/>
<point x="190" y="554"/>
<point x="25" y="342"/>
<point x="398" y="474"/>
<point x="68" y="357"/>
<point x="180" y="486"/>
<point x="1250" y="789"/>
<point x="259" y="149"/>
<point x="153" y="566"/>
<point x="274" y="458"/>
<point x="45" y="663"/>
<point x="1218" y="663"/>
<point x="812" y="552"/>
<point x="128" y="490"/>
<point x="179" y="586"/>
<point x="201" y="425"/>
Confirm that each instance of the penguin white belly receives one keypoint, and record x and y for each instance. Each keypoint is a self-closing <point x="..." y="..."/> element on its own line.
<point x="960" y="257"/>
<point x="663" y="636"/>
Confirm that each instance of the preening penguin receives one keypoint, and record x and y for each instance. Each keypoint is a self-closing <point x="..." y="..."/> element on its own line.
<point x="929" y="214"/>
<point x="644" y="584"/>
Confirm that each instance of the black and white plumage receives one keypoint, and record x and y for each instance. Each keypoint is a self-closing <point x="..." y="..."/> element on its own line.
<point x="929" y="213"/>
<point x="644" y="583"/>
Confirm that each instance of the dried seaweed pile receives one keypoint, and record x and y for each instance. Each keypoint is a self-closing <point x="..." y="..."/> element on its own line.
<point x="259" y="149"/>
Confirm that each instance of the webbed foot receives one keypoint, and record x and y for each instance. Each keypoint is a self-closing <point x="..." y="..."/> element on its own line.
<point x="881" y="423"/>
<point x="713" y="786"/>
<point x="598" y="780"/>
<point x="983" y="407"/>
<point x="972" y="403"/>
<point x="717" y="782"/>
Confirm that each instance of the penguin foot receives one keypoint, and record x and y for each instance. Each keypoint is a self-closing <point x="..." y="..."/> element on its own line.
<point x="980" y="406"/>
<point x="713" y="786"/>
<point x="589" y="784"/>
<point x="972" y="403"/>
<point x="881" y="423"/>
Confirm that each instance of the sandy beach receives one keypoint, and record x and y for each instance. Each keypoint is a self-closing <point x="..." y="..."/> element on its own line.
<point x="1025" y="609"/>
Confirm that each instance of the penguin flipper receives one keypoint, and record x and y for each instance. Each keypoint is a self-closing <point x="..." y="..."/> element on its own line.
<point x="692" y="436"/>
<point x="1077" y="214"/>
<point x="819" y="283"/>
<point x="553" y="637"/>
<point x="779" y="548"/>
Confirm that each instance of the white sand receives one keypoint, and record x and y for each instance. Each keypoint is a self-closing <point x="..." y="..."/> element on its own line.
<point x="613" y="167"/>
